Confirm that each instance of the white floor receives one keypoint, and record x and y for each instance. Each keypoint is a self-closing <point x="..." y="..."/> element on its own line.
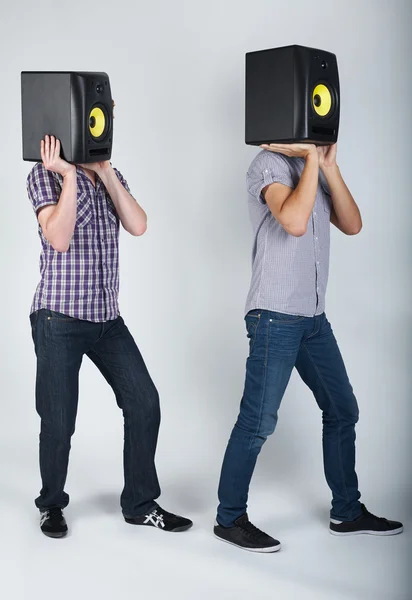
<point x="104" y="558"/>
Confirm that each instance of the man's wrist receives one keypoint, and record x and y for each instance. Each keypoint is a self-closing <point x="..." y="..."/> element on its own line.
<point x="331" y="170"/>
<point x="70" y="172"/>
<point x="106" y="173"/>
<point x="312" y="156"/>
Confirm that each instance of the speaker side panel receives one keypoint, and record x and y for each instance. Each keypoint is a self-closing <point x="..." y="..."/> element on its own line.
<point x="269" y="96"/>
<point x="45" y="111"/>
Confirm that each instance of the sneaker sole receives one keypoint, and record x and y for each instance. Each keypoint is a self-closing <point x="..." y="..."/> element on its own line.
<point x="176" y="530"/>
<point x="269" y="550"/>
<point x="55" y="535"/>
<point x="368" y="532"/>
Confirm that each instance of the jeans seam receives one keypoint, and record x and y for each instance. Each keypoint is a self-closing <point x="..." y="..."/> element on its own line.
<point x="337" y="414"/>
<point x="263" y="390"/>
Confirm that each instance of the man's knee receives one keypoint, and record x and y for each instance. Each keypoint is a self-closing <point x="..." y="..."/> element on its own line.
<point x="60" y="432"/>
<point x="144" y="407"/>
<point x="346" y="416"/>
<point x="259" y="431"/>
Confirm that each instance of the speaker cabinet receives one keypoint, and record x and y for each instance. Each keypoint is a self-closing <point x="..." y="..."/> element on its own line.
<point x="292" y="95"/>
<point x="75" y="107"/>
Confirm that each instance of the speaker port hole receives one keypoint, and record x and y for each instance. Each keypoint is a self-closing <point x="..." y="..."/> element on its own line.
<point x="98" y="151"/>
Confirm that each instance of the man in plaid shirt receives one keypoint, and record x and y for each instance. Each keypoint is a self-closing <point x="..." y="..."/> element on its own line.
<point x="74" y="313"/>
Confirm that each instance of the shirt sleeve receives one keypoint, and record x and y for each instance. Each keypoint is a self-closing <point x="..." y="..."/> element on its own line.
<point x="267" y="168"/>
<point x="122" y="180"/>
<point x="43" y="187"/>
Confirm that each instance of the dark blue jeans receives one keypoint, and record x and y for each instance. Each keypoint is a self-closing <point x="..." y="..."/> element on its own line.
<point x="279" y="342"/>
<point x="60" y="344"/>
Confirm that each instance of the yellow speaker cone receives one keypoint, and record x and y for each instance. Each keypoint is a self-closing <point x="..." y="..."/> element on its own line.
<point x="322" y="100"/>
<point x="97" y="122"/>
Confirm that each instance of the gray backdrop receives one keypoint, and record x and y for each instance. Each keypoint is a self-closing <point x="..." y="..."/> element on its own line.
<point x="177" y="74"/>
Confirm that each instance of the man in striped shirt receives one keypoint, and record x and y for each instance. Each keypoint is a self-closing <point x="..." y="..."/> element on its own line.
<point x="75" y="313"/>
<point x="295" y="192"/>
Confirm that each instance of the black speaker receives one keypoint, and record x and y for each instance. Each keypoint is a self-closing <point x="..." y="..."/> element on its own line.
<point x="292" y="95"/>
<point x="76" y="107"/>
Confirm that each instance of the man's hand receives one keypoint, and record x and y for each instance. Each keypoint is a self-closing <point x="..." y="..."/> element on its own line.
<point x="292" y="150"/>
<point x="50" y="155"/>
<point x="327" y="156"/>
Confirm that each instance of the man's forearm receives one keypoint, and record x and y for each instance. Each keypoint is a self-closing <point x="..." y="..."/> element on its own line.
<point x="346" y="215"/>
<point x="296" y="210"/>
<point x="131" y="215"/>
<point x="59" y="227"/>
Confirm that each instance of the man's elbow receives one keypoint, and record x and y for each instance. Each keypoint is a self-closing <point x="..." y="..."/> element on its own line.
<point x="138" y="230"/>
<point x="354" y="229"/>
<point x="297" y="230"/>
<point x="59" y="245"/>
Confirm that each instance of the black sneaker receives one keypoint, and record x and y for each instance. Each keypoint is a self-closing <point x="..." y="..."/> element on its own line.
<point x="52" y="523"/>
<point x="246" y="536"/>
<point x="366" y="523"/>
<point x="162" y="520"/>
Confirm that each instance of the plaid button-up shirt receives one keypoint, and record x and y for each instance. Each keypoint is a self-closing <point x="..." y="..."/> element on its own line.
<point x="84" y="281"/>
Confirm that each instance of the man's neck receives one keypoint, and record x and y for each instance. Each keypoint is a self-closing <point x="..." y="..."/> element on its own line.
<point x="90" y="174"/>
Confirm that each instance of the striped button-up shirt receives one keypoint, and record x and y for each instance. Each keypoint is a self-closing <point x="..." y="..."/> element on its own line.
<point x="289" y="274"/>
<point x="84" y="281"/>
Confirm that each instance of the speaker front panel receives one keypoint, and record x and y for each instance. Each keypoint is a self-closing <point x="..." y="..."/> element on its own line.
<point x="323" y="98"/>
<point x="93" y="122"/>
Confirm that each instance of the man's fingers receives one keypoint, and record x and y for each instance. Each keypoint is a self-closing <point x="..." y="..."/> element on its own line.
<point x="47" y="149"/>
<point x="52" y="147"/>
<point x="57" y="149"/>
<point x="273" y="145"/>
<point x="42" y="154"/>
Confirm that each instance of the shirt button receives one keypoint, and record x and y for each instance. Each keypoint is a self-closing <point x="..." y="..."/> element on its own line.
<point x="314" y="214"/>
<point x="316" y="238"/>
<point x="317" y="262"/>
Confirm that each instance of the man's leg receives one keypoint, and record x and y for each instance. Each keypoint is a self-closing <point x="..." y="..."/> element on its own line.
<point x="321" y="367"/>
<point x="274" y="344"/>
<point x="119" y="360"/>
<point x="59" y="356"/>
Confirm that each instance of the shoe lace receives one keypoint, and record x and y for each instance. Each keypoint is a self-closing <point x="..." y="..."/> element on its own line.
<point x="251" y="530"/>
<point x="55" y="514"/>
<point x="379" y="519"/>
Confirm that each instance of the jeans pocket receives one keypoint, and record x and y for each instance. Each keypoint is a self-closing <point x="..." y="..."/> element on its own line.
<point x="285" y="318"/>
<point x="33" y="318"/>
<point x="56" y="316"/>
<point x="252" y="320"/>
